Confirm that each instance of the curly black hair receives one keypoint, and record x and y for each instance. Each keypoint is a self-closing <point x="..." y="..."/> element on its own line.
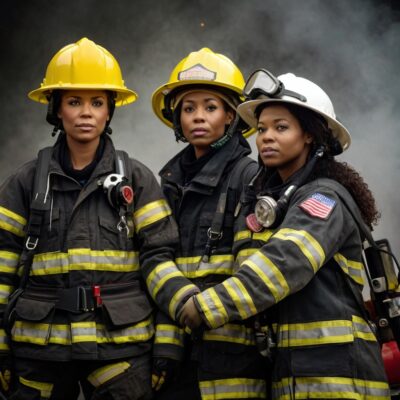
<point x="328" y="166"/>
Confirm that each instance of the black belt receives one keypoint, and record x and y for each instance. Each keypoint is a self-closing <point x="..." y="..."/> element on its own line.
<point x="80" y="298"/>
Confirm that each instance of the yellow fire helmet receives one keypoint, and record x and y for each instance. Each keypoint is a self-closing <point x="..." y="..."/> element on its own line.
<point x="203" y="67"/>
<point x="84" y="65"/>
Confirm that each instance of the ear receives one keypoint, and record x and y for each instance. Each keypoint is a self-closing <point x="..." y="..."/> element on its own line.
<point x="309" y="138"/>
<point x="230" y="115"/>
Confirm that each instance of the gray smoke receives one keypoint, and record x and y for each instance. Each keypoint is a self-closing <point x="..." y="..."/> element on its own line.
<point x="350" y="48"/>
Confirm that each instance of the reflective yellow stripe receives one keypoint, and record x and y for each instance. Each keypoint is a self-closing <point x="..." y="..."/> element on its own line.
<point x="269" y="273"/>
<point x="242" y="235"/>
<point x="241" y="297"/>
<point x="44" y="388"/>
<point x="232" y="333"/>
<point x="233" y="388"/>
<point x="104" y="374"/>
<point x="169" y="334"/>
<point x="315" y="333"/>
<point x="351" y="268"/>
<point x="263" y="236"/>
<point x="12" y="222"/>
<point x="161" y="274"/>
<point x="150" y="213"/>
<point x="178" y="297"/>
<point x="310" y="247"/>
<point x="8" y="262"/>
<point x="5" y="291"/>
<point x="362" y="330"/>
<point x="330" y="388"/>
<point x="194" y="267"/>
<point x="80" y="332"/>
<point x="213" y="309"/>
<point x="4" y="340"/>
<point x="85" y="260"/>
<point x="244" y="254"/>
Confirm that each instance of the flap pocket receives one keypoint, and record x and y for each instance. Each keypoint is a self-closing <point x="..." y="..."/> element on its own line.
<point x="121" y="311"/>
<point x="108" y="224"/>
<point x="33" y="310"/>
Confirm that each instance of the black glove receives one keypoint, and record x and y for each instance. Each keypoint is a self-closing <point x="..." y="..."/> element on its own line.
<point x="164" y="371"/>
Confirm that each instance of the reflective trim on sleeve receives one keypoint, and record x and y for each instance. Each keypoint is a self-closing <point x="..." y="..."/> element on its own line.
<point x="5" y="291"/>
<point x="351" y="268"/>
<point x="4" y="341"/>
<point x="9" y="262"/>
<point x="269" y="273"/>
<point x="362" y="329"/>
<point x="245" y="254"/>
<point x="241" y="235"/>
<point x="169" y="334"/>
<point x="310" y="247"/>
<point x="240" y="297"/>
<point x="79" y="332"/>
<point x="104" y="374"/>
<point x="233" y="388"/>
<point x="263" y="236"/>
<point x="212" y="307"/>
<point x="330" y="388"/>
<point x="44" y="388"/>
<point x="161" y="274"/>
<point x="150" y="213"/>
<point x="85" y="260"/>
<point x="177" y="298"/>
<point x="232" y="333"/>
<point x="12" y="222"/>
<point x="194" y="267"/>
<point x="315" y="333"/>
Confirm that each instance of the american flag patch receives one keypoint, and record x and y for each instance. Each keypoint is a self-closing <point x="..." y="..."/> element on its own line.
<point x="318" y="206"/>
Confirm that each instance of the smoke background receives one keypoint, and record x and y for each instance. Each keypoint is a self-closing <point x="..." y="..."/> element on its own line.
<point x="349" y="48"/>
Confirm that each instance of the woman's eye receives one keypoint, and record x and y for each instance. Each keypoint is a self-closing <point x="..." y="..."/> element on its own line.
<point x="73" y="102"/>
<point x="260" y="129"/>
<point x="281" y="128"/>
<point x="211" y="107"/>
<point x="188" y="109"/>
<point x="98" y="103"/>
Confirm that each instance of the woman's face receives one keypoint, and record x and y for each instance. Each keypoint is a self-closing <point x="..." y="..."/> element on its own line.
<point x="203" y="120"/>
<point x="281" y="142"/>
<point x="84" y="114"/>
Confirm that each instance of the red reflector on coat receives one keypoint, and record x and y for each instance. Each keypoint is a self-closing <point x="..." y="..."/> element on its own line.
<point x="127" y="194"/>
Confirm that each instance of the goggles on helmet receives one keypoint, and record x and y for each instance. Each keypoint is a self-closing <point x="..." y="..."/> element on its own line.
<point x="262" y="82"/>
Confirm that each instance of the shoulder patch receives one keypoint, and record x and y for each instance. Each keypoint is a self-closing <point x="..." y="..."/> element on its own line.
<point x="318" y="205"/>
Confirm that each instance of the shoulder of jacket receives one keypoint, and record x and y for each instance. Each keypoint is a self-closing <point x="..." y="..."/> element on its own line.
<point x="243" y="171"/>
<point x="325" y="186"/>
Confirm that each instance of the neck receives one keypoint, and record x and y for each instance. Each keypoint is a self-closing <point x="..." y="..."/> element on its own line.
<point x="82" y="154"/>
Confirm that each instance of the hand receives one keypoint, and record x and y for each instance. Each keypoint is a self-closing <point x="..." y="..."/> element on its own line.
<point x="5" y="374"/>
<point x="164" y="371"/>
<point x="189" y="315"/>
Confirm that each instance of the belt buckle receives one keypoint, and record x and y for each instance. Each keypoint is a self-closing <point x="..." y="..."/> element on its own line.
<point x="83" y="300"/>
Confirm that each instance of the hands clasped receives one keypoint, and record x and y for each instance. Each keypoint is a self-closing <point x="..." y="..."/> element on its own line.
<point x="189" y="315"/>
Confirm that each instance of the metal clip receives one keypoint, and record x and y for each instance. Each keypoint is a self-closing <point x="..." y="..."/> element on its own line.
<point x="31" y="245"/>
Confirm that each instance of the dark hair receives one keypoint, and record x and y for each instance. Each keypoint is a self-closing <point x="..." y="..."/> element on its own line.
<point x="327" y="167"/>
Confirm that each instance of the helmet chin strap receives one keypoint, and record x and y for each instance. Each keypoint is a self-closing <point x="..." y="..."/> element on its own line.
<point x="227" y="134"/>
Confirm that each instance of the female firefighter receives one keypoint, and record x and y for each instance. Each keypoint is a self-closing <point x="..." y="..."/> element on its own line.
<point x="202" y="184"/>
<point x="76" y="238"/>
<point x="299" y="249"/>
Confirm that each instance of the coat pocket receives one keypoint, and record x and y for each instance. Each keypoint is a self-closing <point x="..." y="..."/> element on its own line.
<point x="32" y="321"/>
<point x="120" y="311"/>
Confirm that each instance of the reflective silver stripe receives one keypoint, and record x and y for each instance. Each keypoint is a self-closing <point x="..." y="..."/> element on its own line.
<point x="233" y="388"/>
<point x="150" y="213"/>
<point x="79" y="332"/>
<point x="244" y="255"/>
<point x="231" y="333"/>
<point x="212" y="307"/>
<point x="315" y="333"/>
<point x="194" y="267"/>
<point x="104" y="374"/>
<point x="306" y="243"/>
<point x="240" y="296"/>
<point x="351" y="268"/>
<point x="8" y="262"/>
<point x="161" y="274"/>
<point x="269" y="273"/>
<point x="330" y="387"/>
<point x="44" y="388"/>
<point x="5" y="291"/>
<point x="12" y="222"/>
<point x="85" y="259"/>
<point x="169" y="334"/>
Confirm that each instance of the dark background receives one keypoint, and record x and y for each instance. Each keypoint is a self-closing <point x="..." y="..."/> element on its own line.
<point x="348" y="47"/>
